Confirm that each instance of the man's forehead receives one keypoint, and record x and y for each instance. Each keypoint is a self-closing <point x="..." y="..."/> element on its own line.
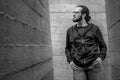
<point x="77" y="9"/>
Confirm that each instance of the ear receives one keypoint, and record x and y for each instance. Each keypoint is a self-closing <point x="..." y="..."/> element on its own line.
<point x="84" y="15"/>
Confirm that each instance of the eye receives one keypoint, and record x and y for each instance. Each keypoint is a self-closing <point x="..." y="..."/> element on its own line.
<point x="76" y="12"/>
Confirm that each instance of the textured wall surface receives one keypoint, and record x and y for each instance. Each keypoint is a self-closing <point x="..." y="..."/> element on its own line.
<point x="61" y="19"/>
<point x="113" y="20"/>
<point x="25" y="42"/>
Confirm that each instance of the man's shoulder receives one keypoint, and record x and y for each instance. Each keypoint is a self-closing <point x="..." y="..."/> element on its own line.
<point x="70" y="28"/>
<point x="95" y="27"/>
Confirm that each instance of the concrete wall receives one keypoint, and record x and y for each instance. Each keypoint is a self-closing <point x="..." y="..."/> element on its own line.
<point x="61" y="19"/>
<point x="113" y="20"/>
<point x="25" y="42"/>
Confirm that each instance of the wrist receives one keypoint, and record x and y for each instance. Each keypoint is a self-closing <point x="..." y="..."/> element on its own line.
<point x="99" y="59"/>
<point x="71" y="62"/>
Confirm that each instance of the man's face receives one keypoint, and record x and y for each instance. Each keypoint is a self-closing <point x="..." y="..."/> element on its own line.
<point x="77" y="16"/>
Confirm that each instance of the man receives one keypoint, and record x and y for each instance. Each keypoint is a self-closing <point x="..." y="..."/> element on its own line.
<point x="85" y="47"/>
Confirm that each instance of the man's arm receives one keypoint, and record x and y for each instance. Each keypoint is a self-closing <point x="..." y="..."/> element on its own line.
<point x="68" y="48"/>
<point x="102" y="45"/>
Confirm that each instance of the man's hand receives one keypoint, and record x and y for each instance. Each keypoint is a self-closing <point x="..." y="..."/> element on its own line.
<point x="97" y="62"/>
<point x="73" y="66"/>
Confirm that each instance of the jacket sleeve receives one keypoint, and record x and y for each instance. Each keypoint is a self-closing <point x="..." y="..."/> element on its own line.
<point x="68" y="48"/>
<point x="102" y="45"/>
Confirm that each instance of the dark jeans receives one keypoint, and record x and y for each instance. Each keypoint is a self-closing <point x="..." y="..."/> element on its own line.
<point x="89" y="73"/>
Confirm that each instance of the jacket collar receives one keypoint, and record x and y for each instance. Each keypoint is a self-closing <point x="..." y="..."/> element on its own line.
<point x="75" y="26"/>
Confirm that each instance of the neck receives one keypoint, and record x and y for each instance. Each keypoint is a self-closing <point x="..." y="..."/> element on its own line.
<point x="82" y="23"/>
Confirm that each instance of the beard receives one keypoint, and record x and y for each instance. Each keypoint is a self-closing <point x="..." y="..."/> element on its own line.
<point x="77" y="19"/>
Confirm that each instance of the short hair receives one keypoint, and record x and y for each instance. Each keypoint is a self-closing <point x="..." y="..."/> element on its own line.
<point x="85" y="10"/>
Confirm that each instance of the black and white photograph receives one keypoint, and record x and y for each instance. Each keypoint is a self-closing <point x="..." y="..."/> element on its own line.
<point x="59" y="40"/>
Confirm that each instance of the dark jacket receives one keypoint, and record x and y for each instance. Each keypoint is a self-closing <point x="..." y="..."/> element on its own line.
<point x="84" y="45"/>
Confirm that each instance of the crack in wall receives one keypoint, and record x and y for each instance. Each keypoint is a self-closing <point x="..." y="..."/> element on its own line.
<point x="114" y="23"/>
<point x="25" y="68"/>
<point x="34" y="10"/>
<point x="25" y="45"/>
<point x="20" y="21"/>
<point x="43" y="5"/>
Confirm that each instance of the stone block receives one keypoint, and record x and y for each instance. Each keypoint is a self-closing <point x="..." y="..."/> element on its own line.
<point x="114" y="31"/>
<point x="45" y="4"/>
<point x="16" y="58"/>
<point x="38" y="8"/>
<point x="115" y="58"/>
<point x="48" y="76"/>
<point x="59" y="51"/>
<point x="115" y="73"/>
<point x="60" y="62"/>
<point x="58" y="44"/>
<point x="17" y="33"/>
<point x="61" y="19"/>
<point x="37" y="72"/>
<point x="68" y="6"/>
<point x="27" y="14"/>
<point x="58" y="37"/>
<point x="60" y="74"/>
<point x="112" y="10"/>
<point x="114" y="45"/>
<point x="25" y="41"/>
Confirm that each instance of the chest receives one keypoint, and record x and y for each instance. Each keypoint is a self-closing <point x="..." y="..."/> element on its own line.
<point x="82" y="33"/>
